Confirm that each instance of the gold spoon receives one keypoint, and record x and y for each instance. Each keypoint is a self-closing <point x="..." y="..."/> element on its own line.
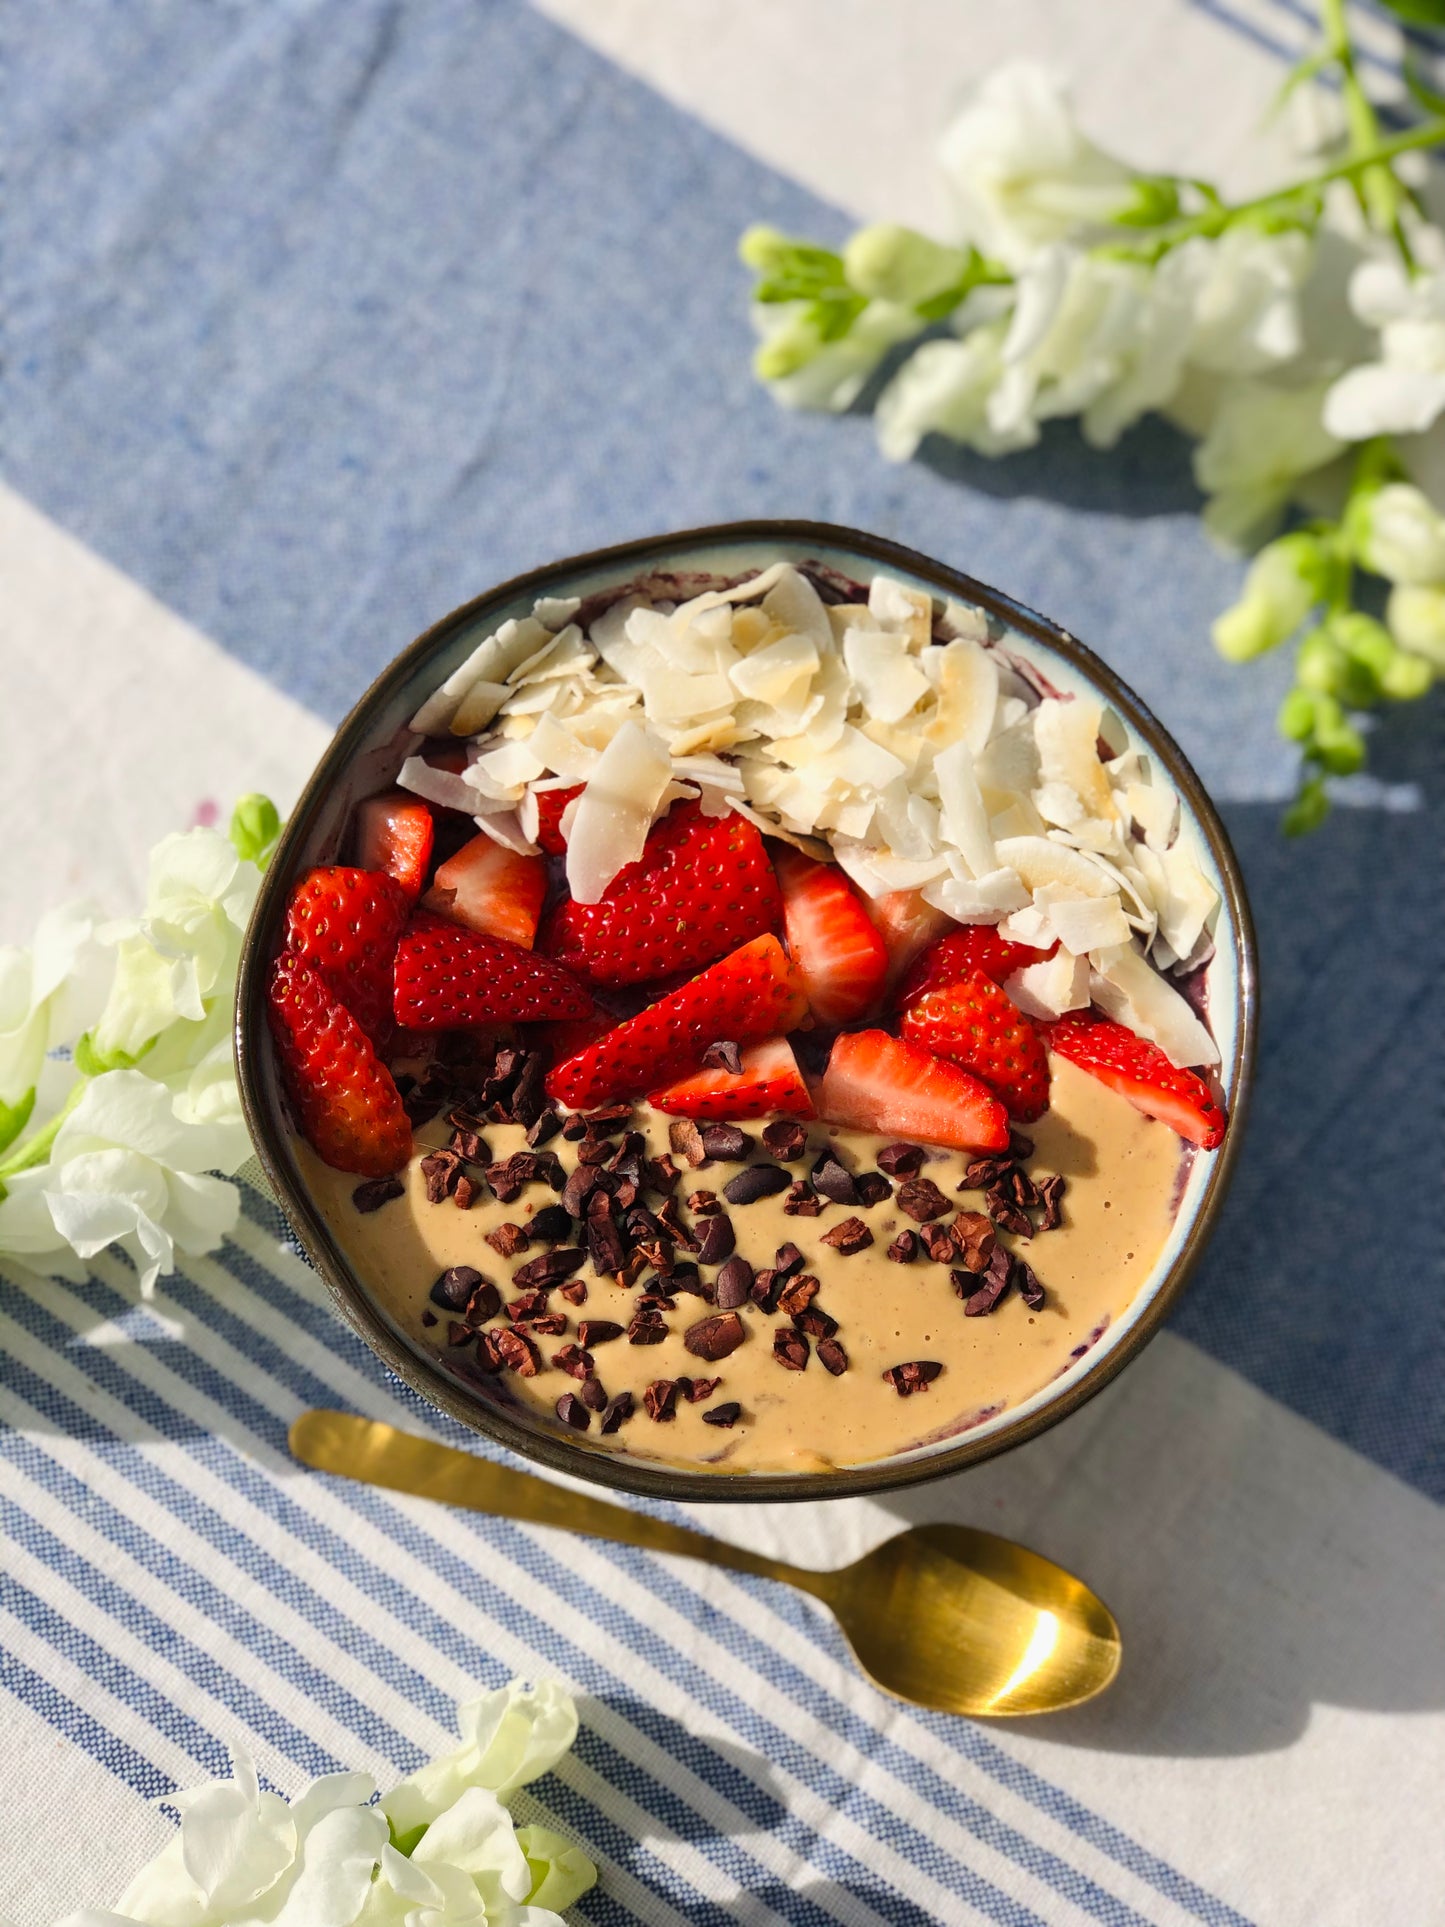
<point x="945" y="1616"/>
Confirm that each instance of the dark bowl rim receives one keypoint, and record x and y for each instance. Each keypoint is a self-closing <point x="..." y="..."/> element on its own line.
<point x="616" y="1470"/>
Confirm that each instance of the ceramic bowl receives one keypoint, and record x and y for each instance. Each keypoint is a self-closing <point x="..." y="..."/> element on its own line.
<point x="364" y="757"/>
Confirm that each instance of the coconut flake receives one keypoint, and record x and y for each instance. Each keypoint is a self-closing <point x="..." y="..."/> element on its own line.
<point x="965" y="621"/>
<point x="1131" y="991"/>
<point x="555" y="611"/>
<point x="1067" y="733"/>
<point x="775" y="672"/>
<point x="1155" y="810"/>
<point x="1047" y="990"/>
<point x="1038" y="861"/>
<point x="491" y="662"/>
<point x="966" y="679"/>
<point x="963" y="818"/>
<point x="984" y="899"/>
<point x="441" y="786"/>
<point x="1081" y="924"/>
<point x="615" y="811"/>
<point x="888" y="681"/>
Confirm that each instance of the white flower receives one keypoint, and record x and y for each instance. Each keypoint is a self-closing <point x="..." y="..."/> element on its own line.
<point x="47" y="995"/>
<point x="125" y="1168"/>
<point x="467" y="1870"/>
<point x="243" y="1857"/>
<point x="1404" y="391"/>
<point x="507" y="1738"/>
<point x="1242" y="292"/>
<point x="1263" y="438"/>
<point x="944" y="388"/>
<point x="1091" y="336"/>
<point x="1415" y="614"/>
<point x="184" y="948"/>
<point x="1398" y="534"/>
<point x="1022" y="172"/>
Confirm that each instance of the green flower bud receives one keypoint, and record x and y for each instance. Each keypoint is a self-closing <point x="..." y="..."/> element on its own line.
<point x="255" y="826"/>
<point x="1296" y="719"/>
<point x="1396" y="533"/>
<point x="1406" y="678"/>
<point x="1338" y="746"/>
<point x="1323" y="665"/>
<point x="890" y="263"/>
<point x="1154" y="199"/>
<point x="1308" y="810"/>
<point x="1416" y="615"/>
<point x="1284" y="582"/>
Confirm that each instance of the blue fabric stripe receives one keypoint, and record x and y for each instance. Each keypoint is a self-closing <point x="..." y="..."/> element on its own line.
<point x="774" y="1744"/>
<point x="42" y="1696"/>
<point x="754" y="1653"/>
<point x="617" y="1769"/>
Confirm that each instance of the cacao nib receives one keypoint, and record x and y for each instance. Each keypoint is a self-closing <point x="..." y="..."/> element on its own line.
<point x="829" y="1177"/>
<point x="597" y="1331"/>
<point x="618" y="1112"/>
<point x="1020" y="1146"/>
<point x="550" y="1268"/>
<point x="686" y="1141"/>
<point x="757" y="1181"/>
<point x="904" y="1248"/>
<point x="490" y="1357"/>
<point x="717" y="1241"/>
<point x="900" y="1160"/>
<point x="785" y="1139"/>
<point x="1051" y="1195"/>
<point x="459" y="1334"/>
<point x="376" y="1192"/>
<point x="552" y="1225"/>
<point x="937" y="1241"/>
<point x="788" y="1261"/>
<point x="574" y="1360"/>
<point x="428" y="1318"/>
<point x="619" y="1410"/>
<point x="1023" y="1189"/>
<point x="728" y="1143"/>
<point x="703" y="1203"/>
<point x="921" y="1199"/>
<point x="715" y="1337"/>
<point x="916" y="1376"/>
<point x="440" y="1169"/>
<point x="576" y="1192"/>
<point x="647" y="1328"/>
<point x="724" y="1055"/>
<point x="798" y="1295"/>
<point x="548" y="1324"/>
<point x="1028" y="1286"/>
<point x="849" y="1237"/>
<point x="733" y="1283"/>
<point x="815" y="1322"/>
<point x="660" y="1400"/>
<point x="515" y="1350"/>
<point x="465" y="1192"/>
<point x="1007" y="1215"/>
<point x="790" y="1348"/>
<point x="484" y="1303"/>
<point x="508" y="1239"/>
<point x="659" y="1174"/>
<point x="592" y="1395"/>
<point x="832" y="1357"/>
<point x="686" y="1278"/>
<point x="724" y="1415"/>
<point x="529" y="1095"/>
<point x="573" y="1412"/>
<point x="543" y="1128"/>
<point x="575" y="1292"/>
<point x="695" y="1390"/>
<point x="452" y="1290"/>
<point x="980" y="1298"/>
<point x="802" y="1200"/>
<point x="604" y="1241"/>
<point x="671" y="1221"/>
<point x="468" y="1145"/>
<point x="531" y="1304"/>
<point x="983" y="1174"/>
<point x="974" y="1239"/>
<point x="574" y="1127"/>
<point x="872" y="1188"/>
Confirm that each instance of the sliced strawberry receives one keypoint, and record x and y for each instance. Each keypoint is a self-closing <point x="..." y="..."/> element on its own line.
<point x="907" y="925"/>
<point x="978" y="946"/>
<point x="448" y="975"/>
<point x="875" y="1082"/>
<point x="573" y="1034"/>
<point x="702" y="886"/>
<point x="394" y="833"/>
<point x="769" y="1082"/>
<point x="752" y="993"/>
<point x="344" y="923"/>
<point x="1140" y="1071"/>
<point x="839" y="953"/>
<point x="972" y="1022"/>
<point x="550" y="805"/>
<point x="491" y="889"/>
<point x="349" y="1107"/>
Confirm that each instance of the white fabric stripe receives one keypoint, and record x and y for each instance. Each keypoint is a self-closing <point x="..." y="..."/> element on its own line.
<point x="151" y="719"/>
<point x="601" y="1573"/>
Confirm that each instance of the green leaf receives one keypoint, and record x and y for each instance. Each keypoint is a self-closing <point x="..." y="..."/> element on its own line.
<point x="255" y="826"/>
<point x="1308" y="810"/>
<point x="14" y="1118"/>
<point x="1418" y="13"/>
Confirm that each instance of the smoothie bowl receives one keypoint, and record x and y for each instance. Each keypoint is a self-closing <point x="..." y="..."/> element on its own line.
<point x="750" y="1014"/>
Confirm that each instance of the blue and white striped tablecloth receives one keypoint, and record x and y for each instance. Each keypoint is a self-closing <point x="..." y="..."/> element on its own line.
<point x="321" y="315"/>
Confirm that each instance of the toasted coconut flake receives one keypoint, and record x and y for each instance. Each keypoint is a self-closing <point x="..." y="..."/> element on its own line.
<point x="1155" y="810"/>
<point x="491" y="662"/>
<point x="985" y="899"/>
<point x="1047" y="990"/>
<point x="1122" y="983"/>
<point x="888" y="680"/>
<point x="1067" y="733"/>
<point x="966" y="679"/>
<point x="777" y="674"/>
<point x="963" y="620"/>
<point x="1081" y="924"/>
<point x="615" y="810"/>
<point x="555" y="611"/>
<point x="557" y="749"/>
<point x="796" y="607"/>
<point x="964" y="820"/>
<point x="441" y="786"/>
<point x="1038" y="861"/>
<point x="897" y="607"/>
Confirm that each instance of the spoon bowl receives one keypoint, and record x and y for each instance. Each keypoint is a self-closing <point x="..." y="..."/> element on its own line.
<point x="948" y="1617"/>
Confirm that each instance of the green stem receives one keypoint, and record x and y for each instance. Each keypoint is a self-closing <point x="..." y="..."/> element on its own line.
<point x="35" y="1149"/>
<point x="1377" y="187"/>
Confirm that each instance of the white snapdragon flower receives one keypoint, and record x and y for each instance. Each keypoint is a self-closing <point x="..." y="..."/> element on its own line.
<point x="467" y="1870"/>
<point x="1264" y="437"/>
<point x="1023" y="173"/>
<point x="125" y="1167"/>
<point x="1242" y="291"/>
<point x="804" y="371"/>
<point x="1402" y="392"/>
<point x="945" y="388"/>
<point x="1398" y="534"/>
<point x="507" y="1738"/>
<point x="1415" y="616"/>
<point x="48" y="994"/>
<point x="184" y="948"/>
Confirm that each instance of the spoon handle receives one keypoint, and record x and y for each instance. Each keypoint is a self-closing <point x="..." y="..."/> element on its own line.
<point x="378" y="1454"/>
